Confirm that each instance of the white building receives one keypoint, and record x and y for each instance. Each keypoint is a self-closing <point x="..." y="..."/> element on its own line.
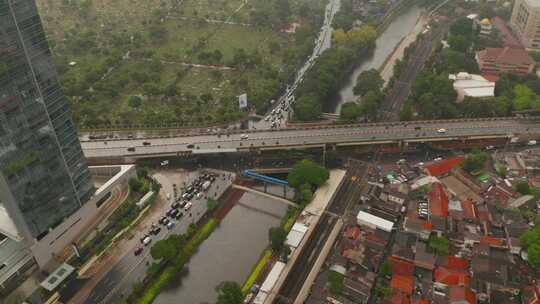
<point x="374" y="222"/>
<point x="472" y="85"/>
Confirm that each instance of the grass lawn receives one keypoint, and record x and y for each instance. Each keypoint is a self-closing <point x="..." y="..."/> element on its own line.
<point x="96" y="34"/>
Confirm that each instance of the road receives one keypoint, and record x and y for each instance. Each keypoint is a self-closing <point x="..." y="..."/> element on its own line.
<point x="130" y="268"/>
<point x="347" y="194"/>
<point x="322" y="43"/>
<point x="422" y="131"/>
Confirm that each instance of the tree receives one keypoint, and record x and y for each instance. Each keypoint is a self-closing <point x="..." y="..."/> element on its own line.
<point x="523" y="187"/>
<point x="440" y="244"/>
<point x="230" y="293"/>
<point x="474" y="161"/>
<point x="277" y="236"/>
<point x="306" y="171"/>
<point x="285" y="252"/>
<point x="305" y="194"/>
<point x="459" y="43"/>
<point x="307" y="108"/>
<point x="350" y="112"/>
<point x="212" y="204"/>
<point x="134" y="101"/>
<point x="371" y="103"/>
<point x="168" y="248"/>
<point x="336" y="282"/>
<point x="158" y="33"/>
<point x="369" y="80"/>
<point x="135" y="184"/>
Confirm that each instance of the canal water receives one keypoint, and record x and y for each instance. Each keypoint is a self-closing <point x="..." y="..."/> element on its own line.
<point x="385" y="44"/>
<point x="229" y="253"/>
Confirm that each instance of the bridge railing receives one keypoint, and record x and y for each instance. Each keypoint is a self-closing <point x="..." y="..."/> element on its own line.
<point x="332" y="126"/>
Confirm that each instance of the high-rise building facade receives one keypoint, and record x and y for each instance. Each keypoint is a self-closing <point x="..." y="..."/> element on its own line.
<point x="525" y="22"/>
<point x="44" y="177"/>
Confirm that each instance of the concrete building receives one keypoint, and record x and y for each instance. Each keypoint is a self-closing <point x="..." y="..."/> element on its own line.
<point x="47" y="196"/>
<point x="525" y="22"/>
<point x="471" y="85"/>
<point x="496" y="61"/>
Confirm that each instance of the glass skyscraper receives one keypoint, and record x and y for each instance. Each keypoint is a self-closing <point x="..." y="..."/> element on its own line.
<point x="44" y="177"/>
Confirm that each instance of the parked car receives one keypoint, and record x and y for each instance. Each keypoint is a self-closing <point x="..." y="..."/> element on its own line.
<point x="155" y="230"/>
<point x="163" y="220"/>
<point x="170" y="225"/>
<point x="178" y="215"/>
<point x="138" y="250"/>
<point x="147" y="241"/>
<point x="187" y="206"/>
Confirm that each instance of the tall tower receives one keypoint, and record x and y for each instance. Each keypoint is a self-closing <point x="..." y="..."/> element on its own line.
<point x="44" y="177"/>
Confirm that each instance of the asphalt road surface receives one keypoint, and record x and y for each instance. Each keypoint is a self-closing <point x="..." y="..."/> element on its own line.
<point x="391" y="132"/>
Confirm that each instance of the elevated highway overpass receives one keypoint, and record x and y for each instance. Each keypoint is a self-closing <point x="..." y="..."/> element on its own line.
<point x="400" y="133"/>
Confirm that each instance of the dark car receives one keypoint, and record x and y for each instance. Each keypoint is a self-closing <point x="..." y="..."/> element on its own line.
<point x="145" y="143"/>
<point x="138" y="250"/>
<point x="163" y="220"/>
<point x="176" y="205"/>
<point x="131" y="149"/>
<point x="155" y="230"/>
<point x="191" y="146"/>
<point x="178" y="215"/>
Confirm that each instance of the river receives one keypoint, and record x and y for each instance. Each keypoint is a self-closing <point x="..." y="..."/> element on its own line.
<point x="229" y="253"/>
<point x="385" y="45"/>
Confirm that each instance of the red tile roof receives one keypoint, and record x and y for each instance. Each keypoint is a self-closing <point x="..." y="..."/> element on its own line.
<point x="402" y="283"/>
<point x="457" y="263"/>
<point x="401" y="267"/>
<point x="451" y="277"/>
<point x="353" y="232"/>
<point x="444" y="166"/>
<point x="506" y="55"/>
<point x="459" y="293"/>
<point x="490" y="240"/>
<point x="468" y="210"/>
<point x="438" y="200"/>
<point x="399" y="298"/>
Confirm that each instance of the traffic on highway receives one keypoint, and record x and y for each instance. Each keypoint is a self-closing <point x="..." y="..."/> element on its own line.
<point x="281" y="108"/>
<point x="341" y="135"/>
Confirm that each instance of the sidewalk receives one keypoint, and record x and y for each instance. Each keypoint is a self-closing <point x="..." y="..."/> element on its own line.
<point x="323" y="196"/>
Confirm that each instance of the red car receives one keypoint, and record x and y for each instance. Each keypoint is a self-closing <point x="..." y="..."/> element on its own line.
<point x="138" y="250"/>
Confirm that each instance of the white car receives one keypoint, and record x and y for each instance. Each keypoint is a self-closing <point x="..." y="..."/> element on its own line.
<point x="441" y="131"/>
<point x="244" y="136"/>
<point x="187" y="206"/>
<point x="531" y="142"/>
<point x="147" y="240"/>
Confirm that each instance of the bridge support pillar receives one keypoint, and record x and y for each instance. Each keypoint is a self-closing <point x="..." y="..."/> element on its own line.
<point x="265" y="187"/>
<point x="284" y="191"/>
